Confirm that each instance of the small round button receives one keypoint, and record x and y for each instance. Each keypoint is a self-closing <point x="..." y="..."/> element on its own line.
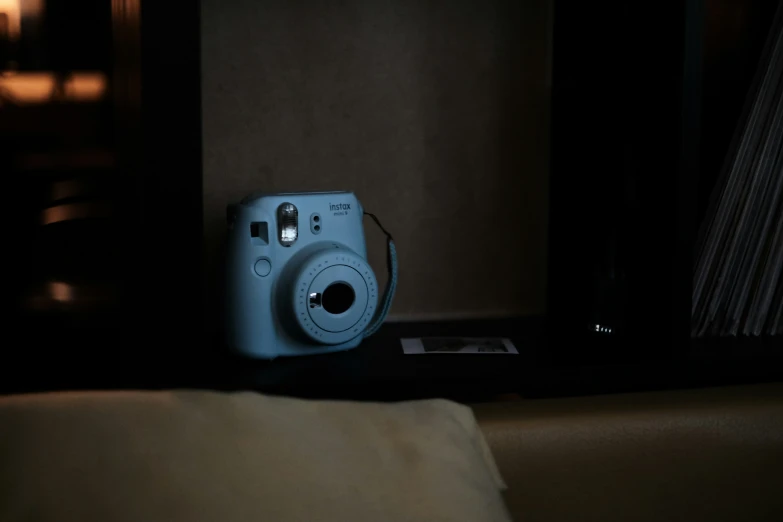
<point x="263" y="267"/>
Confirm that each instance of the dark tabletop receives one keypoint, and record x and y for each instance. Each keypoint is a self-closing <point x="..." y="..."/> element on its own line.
<point x="377" y="370"/>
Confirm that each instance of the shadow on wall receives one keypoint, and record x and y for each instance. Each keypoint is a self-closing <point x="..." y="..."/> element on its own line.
<point x="435" y="113"/>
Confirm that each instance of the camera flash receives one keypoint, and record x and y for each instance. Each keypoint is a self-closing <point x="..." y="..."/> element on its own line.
<point x="287" y="224"/>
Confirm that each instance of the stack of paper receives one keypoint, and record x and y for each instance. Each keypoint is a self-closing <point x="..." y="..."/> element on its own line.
<point x="737" y="287"/>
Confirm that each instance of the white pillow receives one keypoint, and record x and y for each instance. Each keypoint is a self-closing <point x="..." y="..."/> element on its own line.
<point x="201" y="456"/>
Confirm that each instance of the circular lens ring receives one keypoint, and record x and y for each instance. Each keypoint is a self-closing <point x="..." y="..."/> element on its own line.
<point x="305" y="275"/>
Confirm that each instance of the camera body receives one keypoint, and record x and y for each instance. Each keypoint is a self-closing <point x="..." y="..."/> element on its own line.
<point x="297" y="280"/>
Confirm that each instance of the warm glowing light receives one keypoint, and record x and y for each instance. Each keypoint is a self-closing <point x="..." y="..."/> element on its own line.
<point x="85" y="86"/>
<point x="32" y="8"/>
<point x="74" y="211"/>
<point x="13" y="15"/>
<point x="35" y="88"/>
<point x="27" y="87"/>
<point x="61" y="292"/>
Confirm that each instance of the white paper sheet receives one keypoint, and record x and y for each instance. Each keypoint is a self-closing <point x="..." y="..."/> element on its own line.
<point x="482" y="345"/>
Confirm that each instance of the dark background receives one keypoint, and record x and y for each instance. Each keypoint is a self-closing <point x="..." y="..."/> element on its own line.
<point x="644" y="109"/>
<point x="644" y="102"/>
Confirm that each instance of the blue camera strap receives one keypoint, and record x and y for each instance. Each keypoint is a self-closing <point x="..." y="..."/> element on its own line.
<point x="391" y="284"/>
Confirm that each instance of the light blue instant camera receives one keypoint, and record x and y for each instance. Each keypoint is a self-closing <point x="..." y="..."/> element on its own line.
<point x="298" y="280"/>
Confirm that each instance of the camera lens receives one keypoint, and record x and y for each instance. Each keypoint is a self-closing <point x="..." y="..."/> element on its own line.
<point x="338" y="298"/>
<point x="330" y="293"/>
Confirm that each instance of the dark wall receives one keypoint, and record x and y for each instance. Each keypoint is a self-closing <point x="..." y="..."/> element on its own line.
<point x="435" y="112"/>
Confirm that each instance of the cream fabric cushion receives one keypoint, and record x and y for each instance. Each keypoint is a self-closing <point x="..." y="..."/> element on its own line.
<point x="201" y="456"/>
